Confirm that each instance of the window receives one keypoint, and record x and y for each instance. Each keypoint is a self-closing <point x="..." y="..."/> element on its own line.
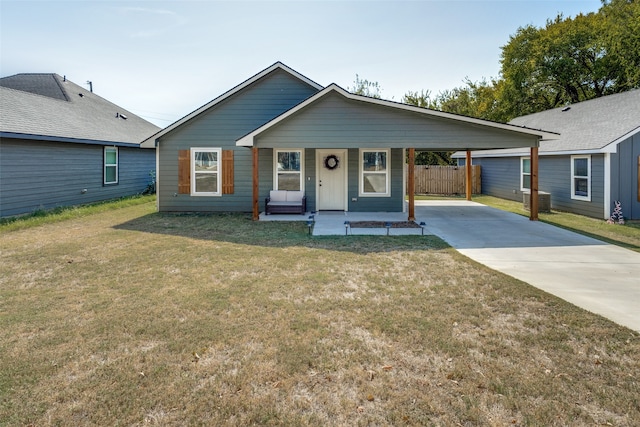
<point x="374" y="173"/>
<point x="525" y="173"/>
<point x="581" y="178"/>
<point x="288" y="170"/>
<point x="205" y="171"/>
<point x="110" y="165"/>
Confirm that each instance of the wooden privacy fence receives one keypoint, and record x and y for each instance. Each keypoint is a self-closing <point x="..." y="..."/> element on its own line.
<point x="446" y="179"/>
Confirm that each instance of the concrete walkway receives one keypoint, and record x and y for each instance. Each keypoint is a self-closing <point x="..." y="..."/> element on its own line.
<point x="596" y="276"/>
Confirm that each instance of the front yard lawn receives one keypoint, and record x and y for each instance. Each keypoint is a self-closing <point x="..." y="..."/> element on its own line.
<point x="130" y="317"/>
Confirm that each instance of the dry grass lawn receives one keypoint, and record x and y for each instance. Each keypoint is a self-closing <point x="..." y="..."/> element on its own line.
<point x="129" y="317"/>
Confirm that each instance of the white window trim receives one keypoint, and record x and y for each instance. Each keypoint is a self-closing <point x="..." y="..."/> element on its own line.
<point x="194" y="150"/>
<point x="361" y="192"/>
<point x="522" y="173"/>
<point x="275" y="166"/>
<point x="105" y="165"/>
<point x="586" y="198"/>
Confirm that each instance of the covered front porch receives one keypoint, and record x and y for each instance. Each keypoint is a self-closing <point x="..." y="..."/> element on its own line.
<point x="375" y="141"/>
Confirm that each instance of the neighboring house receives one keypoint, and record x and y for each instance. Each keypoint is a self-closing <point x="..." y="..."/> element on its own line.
<point x="279" y="130"/>
<point x="63" y="145"/>
<point x="594" y="162"/>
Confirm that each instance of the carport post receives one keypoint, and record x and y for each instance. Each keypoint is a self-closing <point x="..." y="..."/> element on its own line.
<point x="256" y="211"/>
<point x="467" y="165"/>
<point x="533" y="202"/>
<point x="411" y="184"/>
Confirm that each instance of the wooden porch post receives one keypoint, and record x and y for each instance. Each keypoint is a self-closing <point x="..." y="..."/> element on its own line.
<point x="411" y="184"/>
<point x="533" y="202"/>
<point x="468" y="175"/>
<point x="256" y="210"/>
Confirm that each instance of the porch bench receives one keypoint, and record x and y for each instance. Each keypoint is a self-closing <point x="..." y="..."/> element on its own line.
<point x="285" y="202"/>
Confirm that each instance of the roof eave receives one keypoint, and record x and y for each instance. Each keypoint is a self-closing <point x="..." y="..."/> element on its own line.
<point x="32" y="137"/>
<point x="227" y="94"/>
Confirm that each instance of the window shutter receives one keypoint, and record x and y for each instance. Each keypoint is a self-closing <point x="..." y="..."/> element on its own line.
<point x="184" y="172"/>
<point x="227" y="171"/>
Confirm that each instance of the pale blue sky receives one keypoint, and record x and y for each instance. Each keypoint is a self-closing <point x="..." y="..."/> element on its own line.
<point x="163" y="59"/>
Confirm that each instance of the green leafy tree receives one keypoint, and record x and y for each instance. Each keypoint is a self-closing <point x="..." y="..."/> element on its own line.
<point x="572" y="60"/>
<point x="621" y="35"/>
<point x="366" y="88"/>
<point x="568" y="60"/>
<point x="419" y="99"/>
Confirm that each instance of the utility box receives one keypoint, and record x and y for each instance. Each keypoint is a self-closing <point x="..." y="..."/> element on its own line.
<point x="544" y="201"/>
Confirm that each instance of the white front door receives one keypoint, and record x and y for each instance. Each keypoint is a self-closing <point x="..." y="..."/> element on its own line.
<point x="332" y="180"/>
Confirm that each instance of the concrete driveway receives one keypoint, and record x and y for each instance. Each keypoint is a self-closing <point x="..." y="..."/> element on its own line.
<point x="596" y="276"/>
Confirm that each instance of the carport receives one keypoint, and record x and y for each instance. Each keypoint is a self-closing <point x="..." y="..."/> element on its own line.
<point x="349" y="124"/>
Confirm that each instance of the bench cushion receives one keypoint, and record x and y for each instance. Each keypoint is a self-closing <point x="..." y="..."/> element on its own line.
<point x="294" y="196"/>
<point x="272" y="203"/>
<point x="278" y="195"/>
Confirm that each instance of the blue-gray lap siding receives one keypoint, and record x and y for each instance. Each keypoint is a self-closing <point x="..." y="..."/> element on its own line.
<point x="221" y="126"/>
<point x="394" y="203"/>
<point x="334" y="121"/>
<point x="42" y="175"/>
<point x="624" y="177"/>
<point x="501" y="178"/>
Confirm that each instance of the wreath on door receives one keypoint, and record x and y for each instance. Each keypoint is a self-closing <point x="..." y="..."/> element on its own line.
<point x="331" y="162"/>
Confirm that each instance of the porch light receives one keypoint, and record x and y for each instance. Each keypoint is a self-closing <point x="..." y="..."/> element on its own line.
<point x="346" y="228"/>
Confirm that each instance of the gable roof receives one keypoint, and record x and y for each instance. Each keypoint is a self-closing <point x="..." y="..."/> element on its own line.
<point x="248" y="140"/>
<point x="150" y="141"/>
<point x="50" y="107"/>
<point x="594" y="126"/>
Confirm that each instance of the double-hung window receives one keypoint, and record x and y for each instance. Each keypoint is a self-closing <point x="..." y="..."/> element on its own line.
<point x="375" y="173"/>
<point x="205" y="171"/>
<point x="525" y="174"/>
<point x="110" y="172"/>
<point x="581" y="178"/>
<point x="288" y="170"/>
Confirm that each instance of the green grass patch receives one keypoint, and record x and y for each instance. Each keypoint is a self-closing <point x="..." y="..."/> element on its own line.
<point x="131" y="317"/>
<point x="46" y="216"/>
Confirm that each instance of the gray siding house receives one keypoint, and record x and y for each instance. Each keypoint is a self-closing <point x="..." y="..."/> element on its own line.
<point x="279" y="130"/>
<point x="594" y="161"/>
<point x="62" y="145"/>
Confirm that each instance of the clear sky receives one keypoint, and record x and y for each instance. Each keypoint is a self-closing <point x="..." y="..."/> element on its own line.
<point x="163" y="59"/>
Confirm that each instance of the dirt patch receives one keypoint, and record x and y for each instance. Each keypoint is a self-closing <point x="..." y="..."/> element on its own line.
<point x="382" y="224"/>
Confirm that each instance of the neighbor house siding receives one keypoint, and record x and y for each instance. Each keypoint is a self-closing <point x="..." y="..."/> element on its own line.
<point x="501" y="178"/>
<point x="624" y="177"/>
<point x="221" y="126"/>
<point x="42" y="175"/>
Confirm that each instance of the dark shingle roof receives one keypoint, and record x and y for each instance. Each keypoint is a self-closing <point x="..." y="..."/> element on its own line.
<point x="50" y="106"/>
<point x="588" y="126"/>
<point x="39" y="84"/>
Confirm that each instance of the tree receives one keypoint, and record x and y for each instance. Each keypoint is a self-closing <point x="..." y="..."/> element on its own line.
<point x="366" y="88"/>
<point x="622" y="41"/>
<point x="572" y="60"/>
<point x="421" y="99"/>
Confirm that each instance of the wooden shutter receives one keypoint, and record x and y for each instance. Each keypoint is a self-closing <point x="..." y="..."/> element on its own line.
<point x="227" y="171"/>
<point x="184" y="172"/>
